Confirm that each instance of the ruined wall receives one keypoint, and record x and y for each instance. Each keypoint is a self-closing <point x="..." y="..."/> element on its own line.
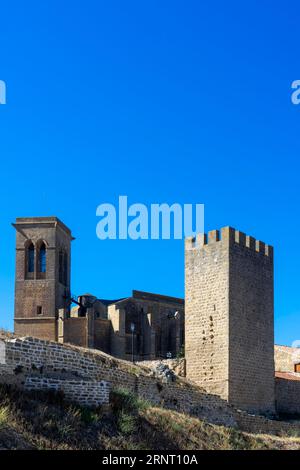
<point x="229" y="318"/>
<point x="34" y="358"/>
<point x="286" y="358"/>
<point x="261" y="425"/>
<point x="38" y="364"/>
<point x="82" y="392"/>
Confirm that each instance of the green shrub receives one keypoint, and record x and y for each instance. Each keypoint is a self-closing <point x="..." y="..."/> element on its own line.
<point x="126" y="407"/>
<point x="126" y="422"/>
<point x="89" y="416"/>
<point x="124" y="400"/>
<point x="4" y="416"/>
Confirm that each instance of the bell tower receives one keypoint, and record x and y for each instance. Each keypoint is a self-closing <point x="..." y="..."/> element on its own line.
<point x="43" y="261"/>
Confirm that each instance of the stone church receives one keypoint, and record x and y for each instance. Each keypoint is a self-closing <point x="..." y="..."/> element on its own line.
<point x="225" y="326"/>
<point x="147" y="326"/>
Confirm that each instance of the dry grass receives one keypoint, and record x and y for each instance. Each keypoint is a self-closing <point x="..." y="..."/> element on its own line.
<point x="45" y="421"/>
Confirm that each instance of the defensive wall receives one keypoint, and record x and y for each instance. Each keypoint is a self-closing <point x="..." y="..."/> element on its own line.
<point x="86" y="376"/>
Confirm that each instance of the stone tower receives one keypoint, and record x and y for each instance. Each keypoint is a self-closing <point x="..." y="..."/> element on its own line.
<point x="43" y="257"/>
<point x="229" y="318"/>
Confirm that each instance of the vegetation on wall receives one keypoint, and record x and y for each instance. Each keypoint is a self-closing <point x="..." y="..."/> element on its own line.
<point x="37" y="420"/>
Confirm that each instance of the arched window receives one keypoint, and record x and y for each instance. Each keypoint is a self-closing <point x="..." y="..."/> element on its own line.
<point x="30" y="258"/>
<point x="42" y="258"/>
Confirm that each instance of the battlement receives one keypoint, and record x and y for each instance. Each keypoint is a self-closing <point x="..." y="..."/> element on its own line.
<point x="230" y="236"/>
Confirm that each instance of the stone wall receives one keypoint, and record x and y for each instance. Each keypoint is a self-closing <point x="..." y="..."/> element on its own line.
<point x="2" y="352"/>
<point x="260" y="425"/>
<point x="31" y="357"/>
<point x="82" y="392"/>
<point x="102" y="334"/>
<point x="38" y="364"/>
<point x="76" y="331"/>
<point x="286" y="358"/>
<point x="287" y="388"/>
<point x="45" y="328"/>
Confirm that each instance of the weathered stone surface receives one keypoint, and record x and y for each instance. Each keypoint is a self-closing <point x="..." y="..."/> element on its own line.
<point x="175" y="365"/>
<point x="2" y="352"/>
<point x="229" y="318"/>
<point x="83" y="392"/>
<point x="40" y="295"/>
<point x="38" y="364"/>
<point x="286" y="358"/>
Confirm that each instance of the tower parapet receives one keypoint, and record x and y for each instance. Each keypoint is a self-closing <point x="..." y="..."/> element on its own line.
<point x="231" y="236"/>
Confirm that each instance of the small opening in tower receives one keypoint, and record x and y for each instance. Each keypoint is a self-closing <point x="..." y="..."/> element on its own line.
<point x="39" y="310"/>
<point x="297" y="368"/>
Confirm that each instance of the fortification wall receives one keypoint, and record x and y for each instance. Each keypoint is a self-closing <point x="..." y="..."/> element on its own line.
<point x="85" y="393"/>
<point x="260" y="425"/>
<point x="37" y="364"/>
<point x="286" y="358"/>
<point x="287" y="394"/>
<point x="31" y="357"/>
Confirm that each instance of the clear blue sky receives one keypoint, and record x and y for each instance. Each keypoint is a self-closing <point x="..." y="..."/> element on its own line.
<point x="163" y="101"/>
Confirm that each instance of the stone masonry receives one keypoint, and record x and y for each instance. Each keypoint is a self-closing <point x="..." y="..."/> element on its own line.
<point x="224" y="327"/>
<point x="33" y="364"/>
<point x="82" y="392"/>
<point x="229" y="315"/>
<point x="40" y="291"/>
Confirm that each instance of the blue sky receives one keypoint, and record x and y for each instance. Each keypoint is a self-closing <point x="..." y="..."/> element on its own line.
<point x="163" y="101"/>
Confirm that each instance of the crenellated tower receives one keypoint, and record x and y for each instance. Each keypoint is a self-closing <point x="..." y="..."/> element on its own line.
<point x="229" y="317"/>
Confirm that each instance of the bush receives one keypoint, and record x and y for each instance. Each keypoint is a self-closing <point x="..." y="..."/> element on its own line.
<point x="89" y="416"/>
<point x="4" y="416"/>
<point x="126" y="407"/>
<point x="126" y="422"/>
<point x="124" y="400"/>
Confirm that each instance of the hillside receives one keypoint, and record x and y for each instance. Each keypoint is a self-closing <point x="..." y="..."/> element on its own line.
<point x="35" y="420"/>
